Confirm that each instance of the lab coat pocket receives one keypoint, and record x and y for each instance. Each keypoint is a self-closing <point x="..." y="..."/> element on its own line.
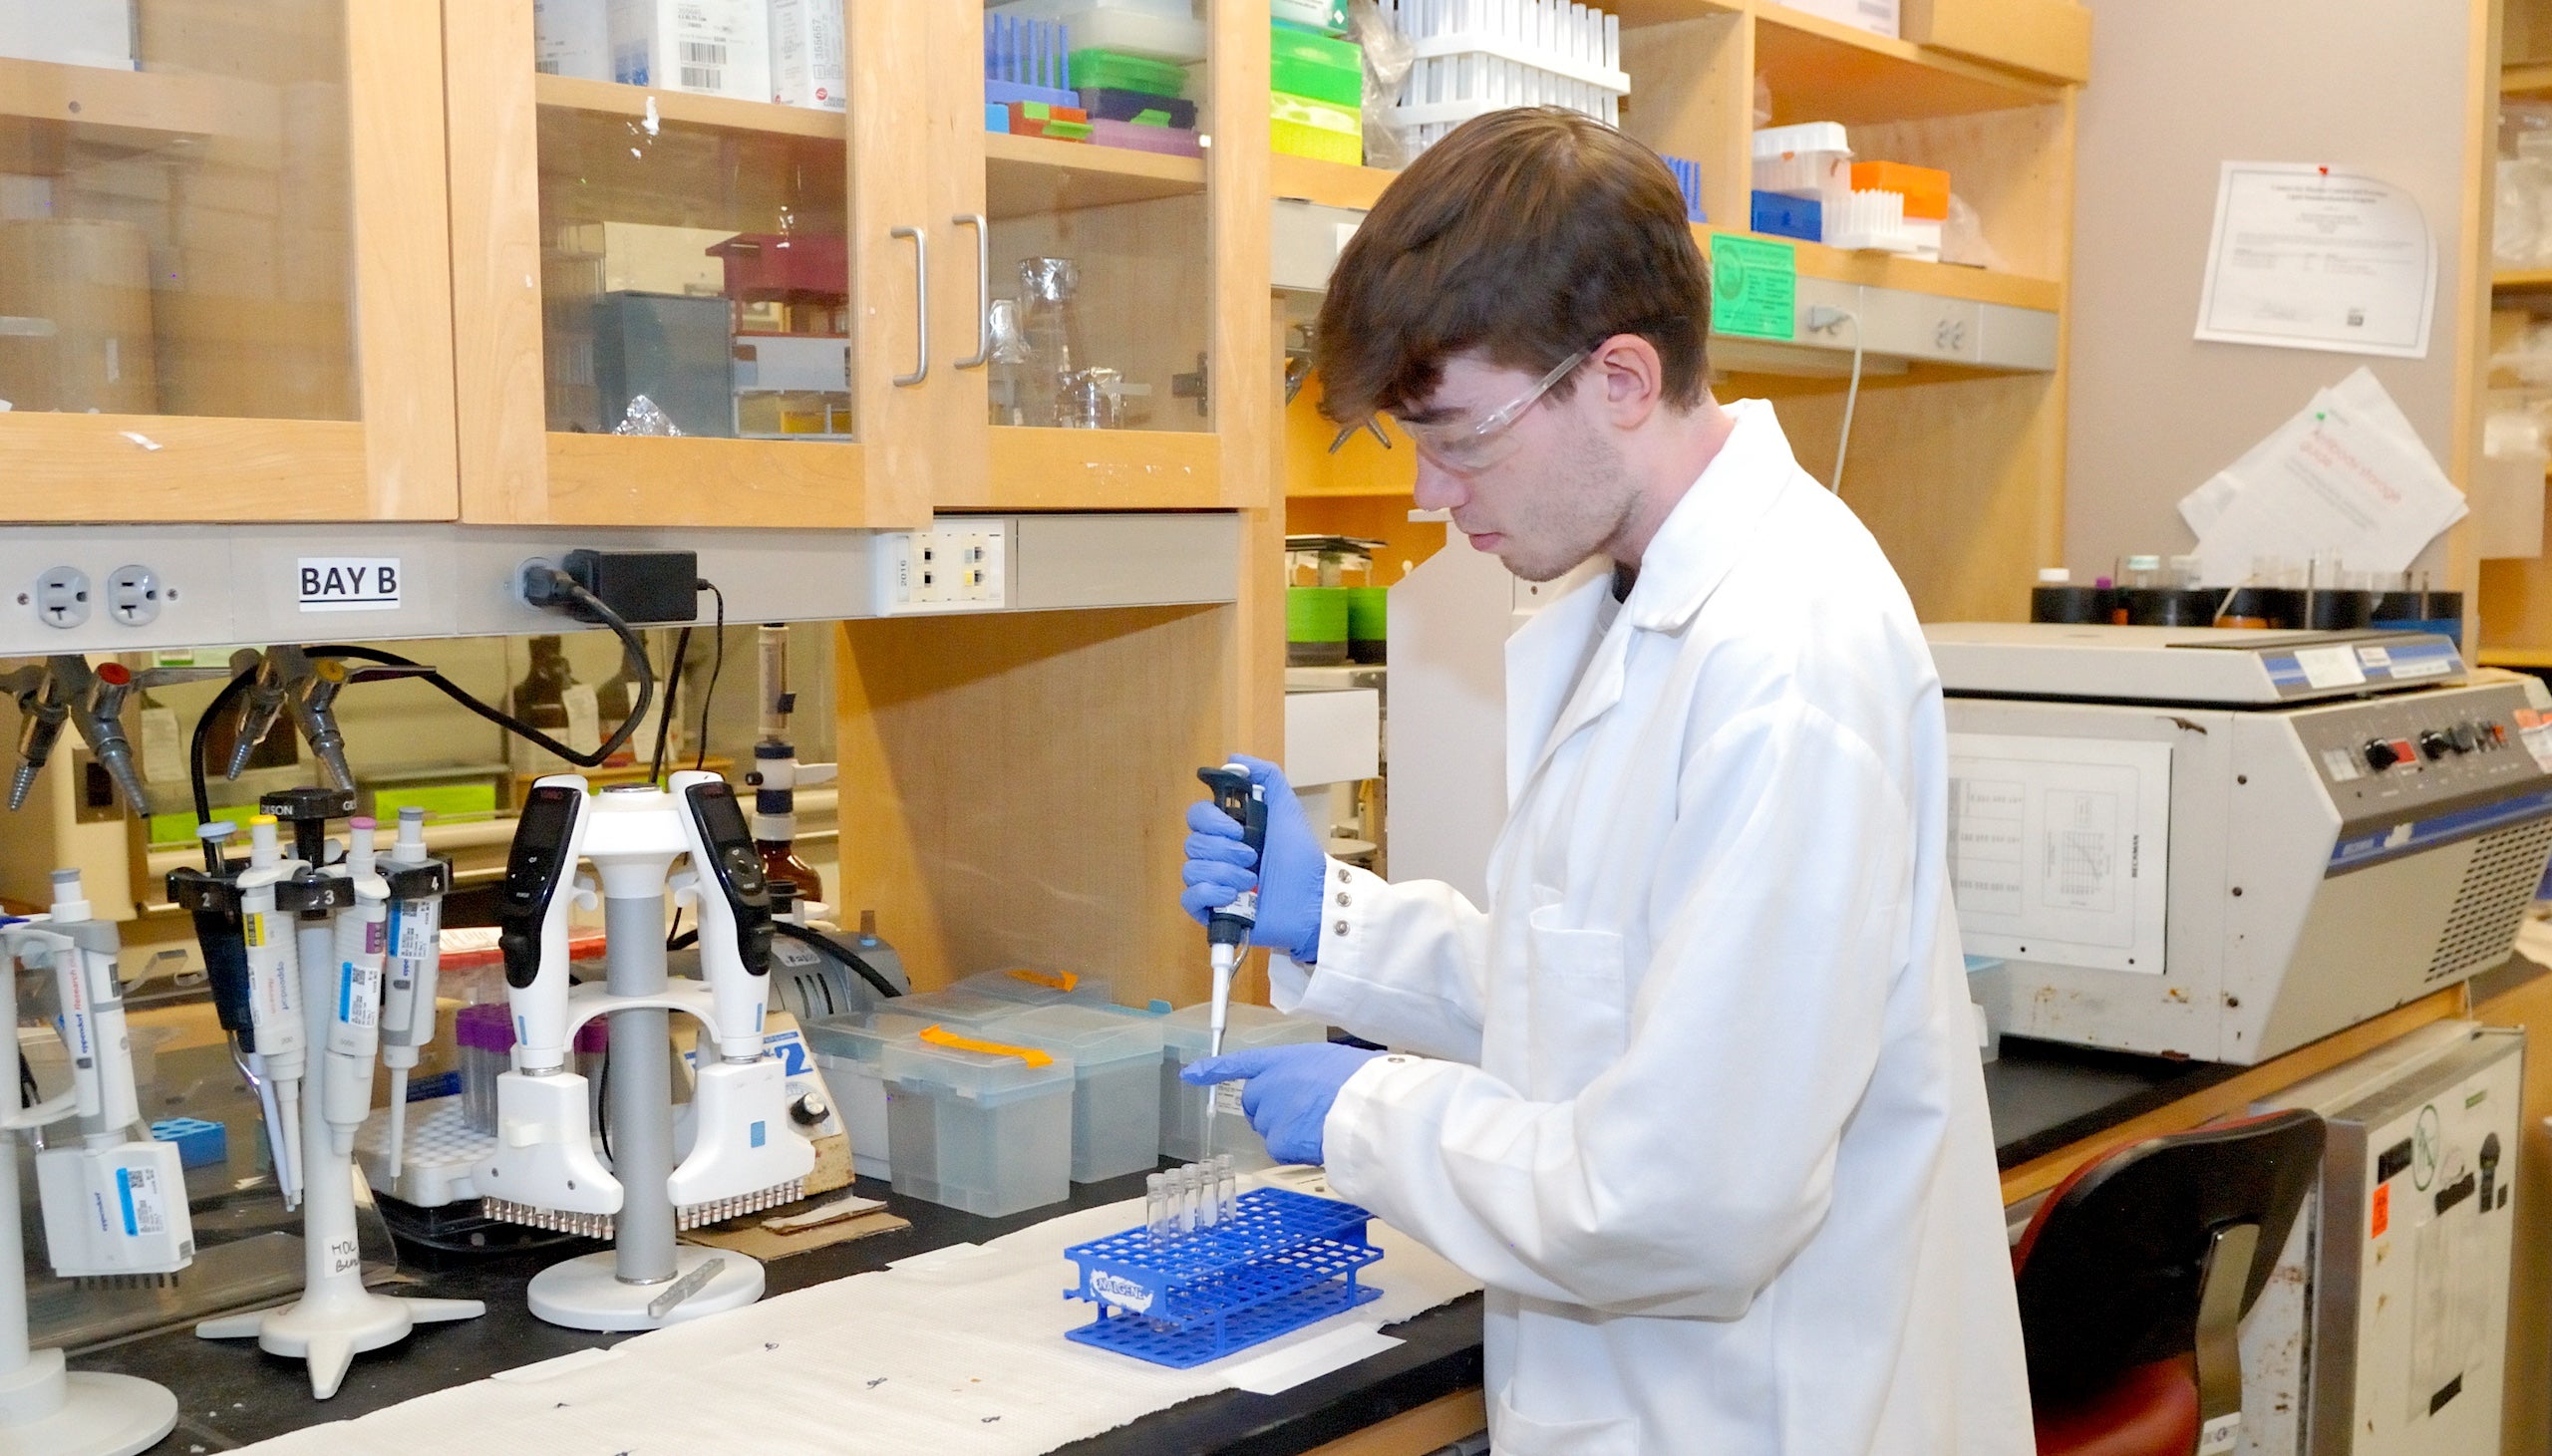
<point x="1512" y="1435"/>
<point x="1577" y="1004"/>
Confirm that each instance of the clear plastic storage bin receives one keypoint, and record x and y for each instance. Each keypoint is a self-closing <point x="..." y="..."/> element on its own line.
<point x="987" y="1131"/>
<point x="1185" y="1034"/>
<point x="1030" y="987"/>
<point x="851" y="1051"/>
<point x="960" y="1005"/>
<point x="1116" y="1082"/>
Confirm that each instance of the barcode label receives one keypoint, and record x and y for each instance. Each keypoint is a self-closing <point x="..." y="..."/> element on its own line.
<point x="703" y="77"/>
<point x="704" y="53"/>
<point x="545" y="68"/>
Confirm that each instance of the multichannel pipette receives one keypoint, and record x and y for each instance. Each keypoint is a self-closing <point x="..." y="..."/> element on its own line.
<point x="114" y="1202"/>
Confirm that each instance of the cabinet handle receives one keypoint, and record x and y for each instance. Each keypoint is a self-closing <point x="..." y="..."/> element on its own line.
<point x="983" y="291"/>
<point x="921" y="307"/>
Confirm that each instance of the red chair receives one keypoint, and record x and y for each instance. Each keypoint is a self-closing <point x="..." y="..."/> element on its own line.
<point x="2135" y="1276"/>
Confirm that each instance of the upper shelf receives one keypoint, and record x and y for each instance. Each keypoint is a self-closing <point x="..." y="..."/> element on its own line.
<point x="606" y="98"/>
<point x="1333" y="185"/>
<point x="1821" y="70"/>
<point x="1913" y="275"/>
<point x="95" y="105"/>
<point x="1826" y="71"/>
<point x="2534" y="78"/>
<point x="1022" y="174"/>
<point x="2522" y="280"/>
<point x="1025" y="174"/>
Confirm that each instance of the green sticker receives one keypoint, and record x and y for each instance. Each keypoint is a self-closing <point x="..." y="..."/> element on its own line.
<point x="1754" y="287"/>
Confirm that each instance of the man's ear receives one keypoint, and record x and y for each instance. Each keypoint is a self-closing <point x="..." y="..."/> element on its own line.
<point x="1632" y="378"/>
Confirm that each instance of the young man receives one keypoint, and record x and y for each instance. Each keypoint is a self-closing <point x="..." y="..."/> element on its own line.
<point x="1696" y="1094"/>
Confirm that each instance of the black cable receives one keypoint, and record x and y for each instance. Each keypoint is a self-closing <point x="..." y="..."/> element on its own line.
<point x="665" y="713"/>
<point x="717" y="665"/>
<point x="631" y="648"/>
<point x="835" y="949"/>
<point x="820" y="941"/>
<point x="203" y="740"/>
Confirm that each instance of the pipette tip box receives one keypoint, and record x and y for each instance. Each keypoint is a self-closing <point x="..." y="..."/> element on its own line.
<point x="1279" y="1260"/>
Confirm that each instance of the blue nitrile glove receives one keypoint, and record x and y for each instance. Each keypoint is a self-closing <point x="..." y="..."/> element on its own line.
<point x="1290" y="1090"/>
<point x="1220" y="866"/>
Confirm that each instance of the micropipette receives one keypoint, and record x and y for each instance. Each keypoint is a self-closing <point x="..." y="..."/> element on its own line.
<point x="1242" y="797"/>
<point x="354" y="1023"/>
<point x="418" y="882"/>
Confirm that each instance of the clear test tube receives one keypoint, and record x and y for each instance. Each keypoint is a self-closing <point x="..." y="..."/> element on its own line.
<point x="1156" y="1207"/>
<point x="1209" y="1207"/>
<point x="1188" y="1199"/>
<point x="1227" y="1184"/>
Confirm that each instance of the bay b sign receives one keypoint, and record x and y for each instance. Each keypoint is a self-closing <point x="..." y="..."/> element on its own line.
<point x="349" y="583"/>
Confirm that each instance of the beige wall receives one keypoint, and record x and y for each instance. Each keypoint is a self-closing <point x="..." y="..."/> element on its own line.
<point x="2178" y="86"/>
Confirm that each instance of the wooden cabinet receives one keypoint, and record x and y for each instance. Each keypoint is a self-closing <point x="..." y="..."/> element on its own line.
<point x="899" y="226"/>
<point x="224" y="289"/>
<point x="355" y="261"/>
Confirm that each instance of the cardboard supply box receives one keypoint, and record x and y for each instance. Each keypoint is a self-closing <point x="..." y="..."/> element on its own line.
<point x="69" y="32"/>
<point x="2049" y="38"/>
<point x="571" y="38"/>
<point x="703" y="47"/>
<point x="807" y="53"/>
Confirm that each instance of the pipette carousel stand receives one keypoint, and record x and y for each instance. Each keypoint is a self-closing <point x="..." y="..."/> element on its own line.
<point x="336" y="1317"/>
<point x="646" y="1279"/>
<point x="45" y="1409"/>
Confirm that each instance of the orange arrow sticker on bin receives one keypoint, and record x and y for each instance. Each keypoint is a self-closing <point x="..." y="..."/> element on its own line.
<point x="938" y="1035"/>
<point x="1055" y="980"/>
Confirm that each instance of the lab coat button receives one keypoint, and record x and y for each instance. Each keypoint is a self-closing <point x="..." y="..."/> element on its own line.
<point x="1342" y="900"/>
<point x="1339" y="929"/>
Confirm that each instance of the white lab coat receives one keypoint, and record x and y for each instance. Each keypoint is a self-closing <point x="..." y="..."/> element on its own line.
<point x="1697" y="1095"/>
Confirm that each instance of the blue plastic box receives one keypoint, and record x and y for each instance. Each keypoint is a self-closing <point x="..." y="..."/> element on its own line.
<point x="1779" y="214"/>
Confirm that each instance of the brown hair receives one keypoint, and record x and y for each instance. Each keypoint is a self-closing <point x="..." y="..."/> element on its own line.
<point x="1527" y="235"/>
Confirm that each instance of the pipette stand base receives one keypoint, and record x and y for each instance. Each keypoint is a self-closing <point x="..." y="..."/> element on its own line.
<point x="336" y="1317"/>
<point x="329" y="1329"/>
<point x="47" y="1411"/>
<point x="588" y="1293"/>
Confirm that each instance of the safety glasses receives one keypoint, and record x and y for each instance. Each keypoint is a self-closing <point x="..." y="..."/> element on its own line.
<point x="1476" y="445"/>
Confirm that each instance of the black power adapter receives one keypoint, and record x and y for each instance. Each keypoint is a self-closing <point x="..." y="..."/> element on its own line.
<point x="646" y="588"/>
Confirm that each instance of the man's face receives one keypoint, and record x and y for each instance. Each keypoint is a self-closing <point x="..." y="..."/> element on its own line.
<point x="1558" y="494"/>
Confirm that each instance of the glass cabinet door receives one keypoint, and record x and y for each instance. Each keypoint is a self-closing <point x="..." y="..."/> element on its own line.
<point x="1112" y="135"/>
<point x="223" y="290"/>
<point x="658" y="296"/>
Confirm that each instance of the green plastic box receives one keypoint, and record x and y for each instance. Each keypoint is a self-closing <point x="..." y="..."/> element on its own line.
<point x="1320" y="67"/>
<point x="1117" y="71"/>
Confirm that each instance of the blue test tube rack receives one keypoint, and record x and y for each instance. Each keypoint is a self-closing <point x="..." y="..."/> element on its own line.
<point x="1277" y="1262"/>
<point x="1028" y="60"/>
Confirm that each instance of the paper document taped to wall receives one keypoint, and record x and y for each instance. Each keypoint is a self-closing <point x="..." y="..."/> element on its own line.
<point x="2308" y="257"/>
<point x="2056" y="848"/>
<point x="2346" y="477"/>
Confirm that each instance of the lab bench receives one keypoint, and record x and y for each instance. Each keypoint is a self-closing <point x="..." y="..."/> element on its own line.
<point x="2050" y="1106"/>
<point x="229" y="1394"/>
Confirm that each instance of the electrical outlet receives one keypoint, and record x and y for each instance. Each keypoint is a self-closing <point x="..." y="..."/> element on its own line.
<point x="133" y="595"/>
<point x="62" y="597"/>
<point x="948" y="568"/>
